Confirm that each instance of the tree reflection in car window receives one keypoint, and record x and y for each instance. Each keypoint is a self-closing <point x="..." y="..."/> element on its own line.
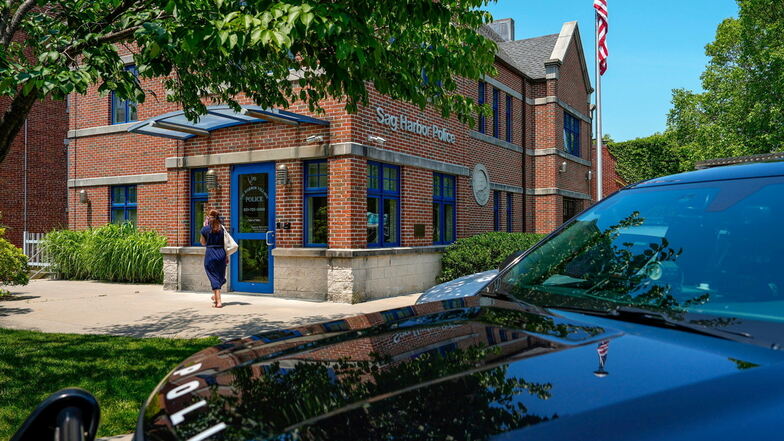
<point x="714" y="248"/>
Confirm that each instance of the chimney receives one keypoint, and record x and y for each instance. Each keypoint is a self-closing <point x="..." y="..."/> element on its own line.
<point x="505" y="28"/>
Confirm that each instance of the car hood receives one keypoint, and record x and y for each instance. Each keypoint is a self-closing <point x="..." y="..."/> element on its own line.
<point x="470" y="368"/>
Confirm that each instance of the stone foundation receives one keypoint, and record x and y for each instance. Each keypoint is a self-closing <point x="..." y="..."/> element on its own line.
<point x="335" y="275"/>
<point x="354" y="275"/>
<point x="183" y="270"/>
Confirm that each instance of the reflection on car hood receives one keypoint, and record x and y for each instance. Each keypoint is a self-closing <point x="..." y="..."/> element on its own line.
<point x="465" y="368"/>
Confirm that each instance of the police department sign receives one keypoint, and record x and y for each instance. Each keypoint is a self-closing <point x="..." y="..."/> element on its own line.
<point x="402" y="122"/>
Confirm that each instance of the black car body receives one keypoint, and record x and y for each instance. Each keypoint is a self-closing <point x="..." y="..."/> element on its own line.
<point x="657" y="314"/>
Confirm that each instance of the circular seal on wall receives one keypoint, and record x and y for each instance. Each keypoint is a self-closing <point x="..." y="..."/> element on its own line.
<point x="480" y="182"/>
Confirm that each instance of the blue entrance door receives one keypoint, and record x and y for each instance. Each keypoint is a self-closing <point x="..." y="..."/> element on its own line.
<point x="253" y="227"/>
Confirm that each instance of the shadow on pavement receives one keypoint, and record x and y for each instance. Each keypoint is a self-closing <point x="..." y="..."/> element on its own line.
<point x="5" y="311"/>
<point x="191" y="323"/>
<point x="15" y="298"/>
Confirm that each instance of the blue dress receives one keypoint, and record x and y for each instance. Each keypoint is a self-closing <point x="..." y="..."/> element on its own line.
<point x="215" y="257"/>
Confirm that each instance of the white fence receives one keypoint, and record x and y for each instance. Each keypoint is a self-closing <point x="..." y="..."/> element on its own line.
<point x="34" y="250"/>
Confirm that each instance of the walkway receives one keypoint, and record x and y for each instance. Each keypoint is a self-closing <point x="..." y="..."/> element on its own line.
<point x="87" y="307"/>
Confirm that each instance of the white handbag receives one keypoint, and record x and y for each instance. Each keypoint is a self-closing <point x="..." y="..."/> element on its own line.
<point x="229" y="244"/>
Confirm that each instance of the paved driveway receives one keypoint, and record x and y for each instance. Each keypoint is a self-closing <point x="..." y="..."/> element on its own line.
<point x="149" y="311"/>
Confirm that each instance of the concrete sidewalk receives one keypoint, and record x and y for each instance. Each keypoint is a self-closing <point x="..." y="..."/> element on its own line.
<point x="87" y="307"/>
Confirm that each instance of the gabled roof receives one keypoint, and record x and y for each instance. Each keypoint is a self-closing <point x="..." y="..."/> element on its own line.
<point x="531" y="54"/>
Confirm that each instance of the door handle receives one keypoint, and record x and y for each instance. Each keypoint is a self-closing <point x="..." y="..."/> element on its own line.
<point x="270" y="238"/>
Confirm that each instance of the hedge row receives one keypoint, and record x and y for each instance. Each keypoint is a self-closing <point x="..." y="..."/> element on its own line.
<point x="482" y="252"/>
<point x="116" y="253"/>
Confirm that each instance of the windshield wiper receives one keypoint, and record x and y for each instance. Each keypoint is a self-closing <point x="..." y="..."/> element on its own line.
<point x="651" y="318"/>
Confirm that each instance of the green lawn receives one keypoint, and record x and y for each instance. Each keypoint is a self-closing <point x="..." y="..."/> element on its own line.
<point x="120" y="371"/>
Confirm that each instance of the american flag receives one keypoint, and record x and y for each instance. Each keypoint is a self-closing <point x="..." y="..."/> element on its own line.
<point x="602" y="350"/>
<point x="601" y="16"/>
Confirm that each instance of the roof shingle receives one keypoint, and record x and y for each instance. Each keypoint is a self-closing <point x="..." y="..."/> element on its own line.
<point x="531" y="54"/>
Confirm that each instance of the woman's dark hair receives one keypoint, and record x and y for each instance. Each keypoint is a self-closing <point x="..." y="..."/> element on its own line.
<point x="215" y="223"/>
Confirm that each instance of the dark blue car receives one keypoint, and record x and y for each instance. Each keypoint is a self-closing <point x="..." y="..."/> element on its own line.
<point x="656" y="314"/>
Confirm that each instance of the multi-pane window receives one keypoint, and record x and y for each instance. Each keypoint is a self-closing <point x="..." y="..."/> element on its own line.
<point x="496" y="112"/>
<point x="509" y="212"/>
<point x="571" y="134"/>
<point x="496" y="211"/>
<point x="316" y="232"/>
<point x="481" y="101"/>
<point x="383" y="205"/>
<point x="444" y="211"/>
<point x="123" y="204"/>
<point x="198" y="203"/>
<point x="509" y="118"/>
<point x="123" y="111"/>
<point x="571" y="207"/>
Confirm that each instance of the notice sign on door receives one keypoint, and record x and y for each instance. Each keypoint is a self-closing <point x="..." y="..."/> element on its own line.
<point x="253" y="204"/>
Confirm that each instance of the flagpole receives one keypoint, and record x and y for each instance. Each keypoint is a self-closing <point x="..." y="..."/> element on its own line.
<point x="598" y="116"/>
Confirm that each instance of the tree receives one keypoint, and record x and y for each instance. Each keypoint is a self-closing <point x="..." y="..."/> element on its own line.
<point x="649" y="157"/>
<point x="216" y="50"/>
<point x="741" y="111"/>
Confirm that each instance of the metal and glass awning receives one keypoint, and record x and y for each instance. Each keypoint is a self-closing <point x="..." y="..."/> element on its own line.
<point x="175" y="125"/>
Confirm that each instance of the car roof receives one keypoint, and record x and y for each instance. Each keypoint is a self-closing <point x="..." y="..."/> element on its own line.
<point x="724" y="173"/>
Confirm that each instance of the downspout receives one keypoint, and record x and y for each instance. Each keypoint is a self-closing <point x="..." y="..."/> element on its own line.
<point x="25" y="176"/>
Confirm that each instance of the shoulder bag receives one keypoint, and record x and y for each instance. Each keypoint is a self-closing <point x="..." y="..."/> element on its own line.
<point x="229" y="244"/>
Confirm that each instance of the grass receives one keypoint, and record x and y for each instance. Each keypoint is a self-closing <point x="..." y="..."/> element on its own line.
<point x="120" y="371"/>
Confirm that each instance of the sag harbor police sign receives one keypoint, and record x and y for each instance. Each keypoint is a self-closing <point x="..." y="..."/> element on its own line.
<point x="402" y="122"/>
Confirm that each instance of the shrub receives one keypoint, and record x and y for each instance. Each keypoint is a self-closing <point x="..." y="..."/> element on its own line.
<point x="482" y="252"/>
<point x="65" y="250"/>
<point x="116" y="253"/>
<point x="13" y="264"/>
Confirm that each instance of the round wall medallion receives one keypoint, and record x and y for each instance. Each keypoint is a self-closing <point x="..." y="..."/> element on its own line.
<point x="480" y="182"/>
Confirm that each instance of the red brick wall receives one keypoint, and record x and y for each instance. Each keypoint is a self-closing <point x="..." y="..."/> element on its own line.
<point x="165" y="206"/>
<point x="47" y="126"/>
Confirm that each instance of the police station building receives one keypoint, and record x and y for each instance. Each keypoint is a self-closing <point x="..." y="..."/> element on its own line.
<point x="337" y="206"/>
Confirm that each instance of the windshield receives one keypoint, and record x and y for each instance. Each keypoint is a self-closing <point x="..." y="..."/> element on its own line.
<point x="714" y="250"/>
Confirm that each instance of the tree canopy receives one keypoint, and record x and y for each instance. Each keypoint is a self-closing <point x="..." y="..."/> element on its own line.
<point x="741" y="110"/>
<point x="273" y="51"/>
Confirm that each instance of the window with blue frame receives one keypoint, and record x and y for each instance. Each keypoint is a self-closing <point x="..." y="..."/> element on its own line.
<point x="316" y="231"/>
<point x="571" y="134"/>
<point x="509" y="212"/>
<point x="496" y="211"/>
<point x="481" y="101"/>
<point x="496" y="112"/>
<point x="444" y="211"/>
<point x="198" y="203"/>
<point x="123" y="111"/>
<point x="509" y="105"/>
<point x="123" y="204"/>
<point x="383" y="205"/>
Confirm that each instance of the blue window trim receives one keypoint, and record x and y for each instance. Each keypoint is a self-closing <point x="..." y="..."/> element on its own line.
<point x="125" y="206"/>
<point x="381" y="194"/>
<point x="496" y="113"/>
<point x="496" y="211"/>
<point x="195" y="198"/>
<point x="308" y="193"/>
<point x="127" y="103"/>
<point x="442" y="201"/>
<point x="509" y="104"/>
<point x="481" y="101"/>
<point x="571" y="132"/>
<point x="509" y="212"/>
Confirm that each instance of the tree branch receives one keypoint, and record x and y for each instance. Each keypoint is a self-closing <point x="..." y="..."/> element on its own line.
<point x="13" y="25"/>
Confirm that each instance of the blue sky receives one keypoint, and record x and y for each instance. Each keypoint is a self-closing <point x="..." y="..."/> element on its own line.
<point x="655" y="46"/>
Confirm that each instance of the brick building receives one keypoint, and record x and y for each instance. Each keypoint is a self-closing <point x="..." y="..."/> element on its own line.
<point x="34" y="173"/>
<point x="342" y="206"/>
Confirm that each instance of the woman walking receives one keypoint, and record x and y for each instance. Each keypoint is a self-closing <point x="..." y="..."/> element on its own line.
<point x="215" y="259"/>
